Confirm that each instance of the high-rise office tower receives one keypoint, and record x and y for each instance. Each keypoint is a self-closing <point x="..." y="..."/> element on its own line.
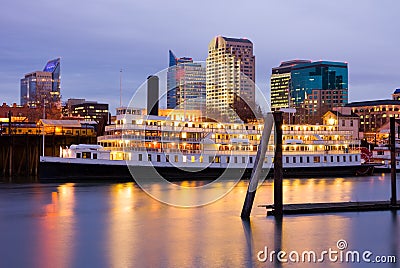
<point x="280" y="84"/>
<point x="35" y="87"/>
<point x="89" y="110"/>
<point x="230" y="78"/>
<point x="186" y="84"/>
<point x="53" y="67"/>
<point x="312" y="88"/>
<point x="39" y="85"/>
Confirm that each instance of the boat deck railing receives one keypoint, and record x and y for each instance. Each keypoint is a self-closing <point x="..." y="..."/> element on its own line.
<point x="221" y="130"/>
<point x="227" y="152"/>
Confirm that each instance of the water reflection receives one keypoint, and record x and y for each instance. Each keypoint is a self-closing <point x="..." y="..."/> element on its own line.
<point x="247" y="229"/>
<point x="57" y="229"/>
<point x="188" y="193"/>
<point x="118" y="225"/>
<point x="336" y="189"/>
<point x="311" y="233"/>
<point x="278" y="238"/>
<point x="145" y="232"/>
<point x="121" y="223"/>
<point x="394" y="239"/>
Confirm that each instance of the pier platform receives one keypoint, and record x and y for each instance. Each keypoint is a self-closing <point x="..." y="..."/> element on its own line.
<point x="312" y="208"/>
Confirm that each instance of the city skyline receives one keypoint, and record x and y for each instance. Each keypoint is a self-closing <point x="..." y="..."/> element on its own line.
<point x="94" y="46"/>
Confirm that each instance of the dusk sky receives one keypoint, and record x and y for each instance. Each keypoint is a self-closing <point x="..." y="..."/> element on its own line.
<point x="95" y="39"/>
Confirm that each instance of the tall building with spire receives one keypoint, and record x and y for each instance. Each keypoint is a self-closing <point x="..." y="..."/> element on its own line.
<point x="230" y="78"/>
<point x="39" y="85"/>
<point x="186" y="84"/>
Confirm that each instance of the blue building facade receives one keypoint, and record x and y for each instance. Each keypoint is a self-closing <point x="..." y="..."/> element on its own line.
<point x="186" y="84"/>
<point x="53" y="67"/>
<point x="320" y="75"/>
<point x="313" y="88"/>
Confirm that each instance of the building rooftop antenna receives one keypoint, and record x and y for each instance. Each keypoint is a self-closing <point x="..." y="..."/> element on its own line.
<point x="120" y="87"/>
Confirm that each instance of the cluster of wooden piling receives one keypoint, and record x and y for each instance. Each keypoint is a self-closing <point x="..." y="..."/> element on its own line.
<point x="278" y="209"/>
<point x="19" y="155"/>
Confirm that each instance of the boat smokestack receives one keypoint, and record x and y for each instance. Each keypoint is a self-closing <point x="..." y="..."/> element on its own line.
<point x="152" y="95"/>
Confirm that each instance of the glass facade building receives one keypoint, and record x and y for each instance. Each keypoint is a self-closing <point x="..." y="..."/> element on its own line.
<point x="42" y="84"/>
<point x="186" y="84"/>
<point x="320" y="75"/>
<point x="280" y="84"/>
<point x="53" y="67"/>
<point x="312" y="88"/>
<point x="34" y="86"/>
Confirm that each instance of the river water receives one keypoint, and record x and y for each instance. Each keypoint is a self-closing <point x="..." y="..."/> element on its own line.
<point x="119" y="225"/>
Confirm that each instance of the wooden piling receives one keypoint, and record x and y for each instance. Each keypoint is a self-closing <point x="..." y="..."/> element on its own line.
<point x="20" y="162"/>
<point x="10" y="165"/>
<point x="257" y="168"/>
<point x="27" y="155"/>
<point x="19" y="153"/>
<point x="393" y="199"/>
<point x="5" y="160"/>
<point x="36" y="159"/>
<point x="278" y="167"/>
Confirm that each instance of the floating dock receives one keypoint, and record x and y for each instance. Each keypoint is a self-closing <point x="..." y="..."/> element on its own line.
<point x="311" y="208"/>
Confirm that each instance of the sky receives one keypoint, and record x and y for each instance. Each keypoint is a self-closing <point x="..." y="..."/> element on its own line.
<point x="96" y="39"/>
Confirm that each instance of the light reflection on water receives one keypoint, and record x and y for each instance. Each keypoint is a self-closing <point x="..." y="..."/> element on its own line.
<point x="118" y="225"/>
<point x="54" y="247"/>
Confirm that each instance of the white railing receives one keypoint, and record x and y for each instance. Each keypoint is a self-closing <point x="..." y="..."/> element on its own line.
<point x="109" y="137"/>
<point x="318" y="132"/>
